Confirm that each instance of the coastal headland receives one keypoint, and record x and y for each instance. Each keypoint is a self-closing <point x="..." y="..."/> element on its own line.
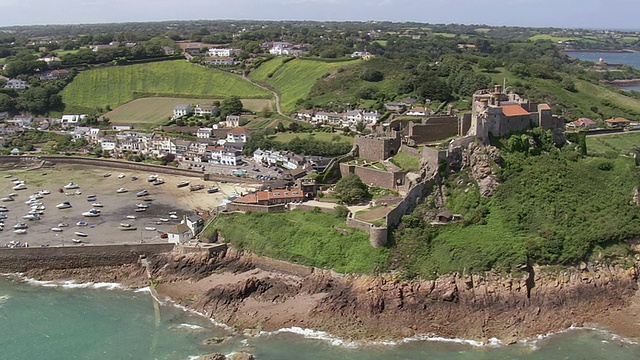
<point x="252" y="293"/>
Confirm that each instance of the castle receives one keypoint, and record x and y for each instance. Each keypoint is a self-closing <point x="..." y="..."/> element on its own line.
<point x="498" y="113"/>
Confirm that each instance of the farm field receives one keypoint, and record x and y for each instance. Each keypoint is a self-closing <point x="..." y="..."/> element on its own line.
<point x="295" y="78"/>
<point x="114" y="86"/>
<point x="156" y="109"/>
<point x="614" y="144"/>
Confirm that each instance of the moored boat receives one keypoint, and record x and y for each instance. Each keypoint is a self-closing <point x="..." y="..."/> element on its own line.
<point x="80" y="233"/>
<point x="182" y="183"/>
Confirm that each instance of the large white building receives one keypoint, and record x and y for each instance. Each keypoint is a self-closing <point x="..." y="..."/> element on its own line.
<point x="213" y="52"/>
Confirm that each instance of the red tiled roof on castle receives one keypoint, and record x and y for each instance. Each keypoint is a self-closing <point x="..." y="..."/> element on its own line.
<point x="545" y="107"/>
<point x="514" y="110"/>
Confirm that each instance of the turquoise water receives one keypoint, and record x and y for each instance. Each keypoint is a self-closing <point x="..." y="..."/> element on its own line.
<point x="42" y="322"/>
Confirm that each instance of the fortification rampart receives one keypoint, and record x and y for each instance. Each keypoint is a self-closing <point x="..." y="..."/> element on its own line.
<point x="374" y="177"/>
<point x="433" y="129"/>
<point x="255" y="207"/>
<point x="53" y="258"/>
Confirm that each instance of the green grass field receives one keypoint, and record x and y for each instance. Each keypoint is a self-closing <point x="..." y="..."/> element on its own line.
<point x="551" y="38"/>
<point x="158" y="109"/>
<point x="406" y="161"/>
<point x="117" y="85"/>
<point x="612" y="145"/>
<point x="321" y="136"/>
<point x="295" y="78"/>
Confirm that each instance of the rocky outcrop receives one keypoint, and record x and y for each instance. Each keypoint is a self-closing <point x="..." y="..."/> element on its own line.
<point x="480" y="307"/>
<point x="481" y="160"/>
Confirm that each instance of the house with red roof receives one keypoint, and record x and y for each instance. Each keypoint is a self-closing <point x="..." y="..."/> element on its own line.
<point x="583" y="123"/>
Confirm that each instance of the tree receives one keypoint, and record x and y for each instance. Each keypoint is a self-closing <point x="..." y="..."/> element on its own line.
<point x="350" y="189"/>
<point x="231" y="105"/>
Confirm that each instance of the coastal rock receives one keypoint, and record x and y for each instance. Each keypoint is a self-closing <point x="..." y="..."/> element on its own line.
<point x="481" y="160"/>
<point x="241" y="356"/>
<point x="213" y="357"/>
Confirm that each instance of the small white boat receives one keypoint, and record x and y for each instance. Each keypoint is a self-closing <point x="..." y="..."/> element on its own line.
<point x="122" y="190"/>
<point x="99" y="205"/>
<point x="141" y="209"/>
<point x="78" y="192"/>
<point x="45" y="192"/>
<point x="164" y="219"/>
<point x="64" y="205"/>
<point x="150" y="228"/>
<point x="82" y="223"/>
<point x="71" y="186"/>
<point x="121" y="175"/>
<point x="20" y="231"/>
<point x="62" y="225"/>
<point x="56" y="229"/>
<point x="77" y="241"/>
<point x="6" y="199"/>
<point x="91" y="213"/>
<point x="152" y="178"/>
<point x="142" y="206"/>
<point x="182" y="183"/>
<point x="107" y="175"/>
<point x="128" y="228"/>
<point x="13" y="194"/>
<point x="173" y="216"/>
<point x="125" y="225"/>
<point x="142" y="193"/>
<point x="158" y="182"/>
<point x="20" y="186"/>
<point x="31" y="217"/>
<point x="131" y="217"/>
<point x="20" y="226"/>
<point x="80" y="233"/>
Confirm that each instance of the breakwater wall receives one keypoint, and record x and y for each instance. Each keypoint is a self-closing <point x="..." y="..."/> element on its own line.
<point x="55" y="258"/>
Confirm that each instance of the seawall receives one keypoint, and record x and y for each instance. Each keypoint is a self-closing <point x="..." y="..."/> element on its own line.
<point x="59" y="258"/>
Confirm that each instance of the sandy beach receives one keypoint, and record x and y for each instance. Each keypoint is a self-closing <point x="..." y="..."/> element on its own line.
<point x="117" y="208"/>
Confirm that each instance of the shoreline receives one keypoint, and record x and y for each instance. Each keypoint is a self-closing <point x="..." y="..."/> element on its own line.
<point x="319" y="334"/>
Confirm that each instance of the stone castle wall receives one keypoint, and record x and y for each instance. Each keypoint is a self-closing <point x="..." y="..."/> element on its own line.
<point x="373" y="177"/>
<point x="433" y="129"/>
<point x="377" y="148"/>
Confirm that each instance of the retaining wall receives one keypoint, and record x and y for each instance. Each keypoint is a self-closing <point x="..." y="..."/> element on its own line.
<point x="23" y="259"/>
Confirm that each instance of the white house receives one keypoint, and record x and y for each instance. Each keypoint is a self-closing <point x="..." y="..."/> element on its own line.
<point x="371" y="117"/>
<point x="237" y="135"/>
<point x="194" y="222"/>
<point x="179" y="234"/>
<point x="234" y="121"/>
<point x="16" y="84"/>
<point x="353" y="116"/>
<point x="68" y="120"/>
<point x="222" y="52"/>
<point x="182" y="110"/>
<point x="203" y="110"/>
<point x="417" y="111"/>
<point x="108" y="143"/>
<point x="233" y="157"/>
<point x="204" y="133"/>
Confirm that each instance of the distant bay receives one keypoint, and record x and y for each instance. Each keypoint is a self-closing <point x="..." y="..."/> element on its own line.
<point x="628" y="58"/>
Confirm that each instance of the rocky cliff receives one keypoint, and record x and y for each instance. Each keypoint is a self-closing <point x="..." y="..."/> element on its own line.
<point x="364" y="307"/>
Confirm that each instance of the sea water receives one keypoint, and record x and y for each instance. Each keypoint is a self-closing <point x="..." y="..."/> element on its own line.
<point x="628" y="58"/>
<point x="101" y="321"/>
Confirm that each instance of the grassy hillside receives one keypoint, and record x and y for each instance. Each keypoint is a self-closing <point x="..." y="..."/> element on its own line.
<point x="117" y="85"/>
<point x="613" y="145"/>
<point x="310" y="238"/>
<point x="295" y="78"/>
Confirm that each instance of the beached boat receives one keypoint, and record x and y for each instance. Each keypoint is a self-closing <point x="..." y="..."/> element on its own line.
<point x="142" y="193"/>
<point x="20" y="186"/>
<point x="97" y="205"/>
<point x="20" y="226"/>
<point x="3" y="208"/>
<point x="128" y="228"/>
<point x="121" y="175"/>
<point x="63" y="225"/>
<point x="182" y="183"/>
<point x="131" y="217"/>
<point x="7" y="199"/>
<point x="125" y="225"/>
<point x="43" y="192"/>
<point x="80" y="233"/>
<point x="91" y="213"/>
<point x="77" y="241"/>
<point x="173" y="216"/>
<point x="107" y="175"/>
<point x="142" y="206"/>
<point x="150" y="228"/>
<point x="164" y="219"/>
<point x="20" y="231"/>
<point x="64" y="205"/>
<point x="141" y="209"/>
<point x="212" y="190"/>
<point x="147" y="199"/>
<point x="31" y="217"/>
<point x="196" y="187"/>
<point x="82" y="223"/>
<point x="122" y="190"/>
<point x="158" y="182"/>
<point x="56" y="229"/>
<point x="152" y="178"/>
<point x="71" y="186"/>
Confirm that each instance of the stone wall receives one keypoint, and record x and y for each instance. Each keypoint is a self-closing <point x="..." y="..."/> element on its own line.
<point x="373" y="177"/>
<point x="49" y="258"/>
<point x="377" y="234"/>
<point x="433" y="129"/>
<point x="377" y="148"/>
<point x="415" y="194"/>
<point x="411" y="150"/>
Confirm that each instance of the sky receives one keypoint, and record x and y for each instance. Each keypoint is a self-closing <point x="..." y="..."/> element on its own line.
<point x="598" y="14"/>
